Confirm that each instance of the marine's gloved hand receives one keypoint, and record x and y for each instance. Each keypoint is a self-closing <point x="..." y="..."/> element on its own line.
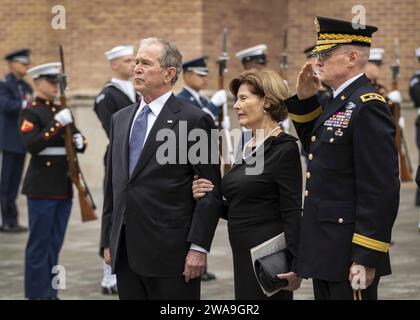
<point x="395" y="96"/>
<point x="78" y="141"/>
<point x="64" y="117"/>
<point x="401" y="122"/>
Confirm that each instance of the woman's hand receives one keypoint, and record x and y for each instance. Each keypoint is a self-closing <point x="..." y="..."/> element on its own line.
<point x="200" y="187"/>
<point x="293" y="280"/>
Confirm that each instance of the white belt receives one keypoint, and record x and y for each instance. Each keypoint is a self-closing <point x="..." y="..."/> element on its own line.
<point x="53" y="151"/>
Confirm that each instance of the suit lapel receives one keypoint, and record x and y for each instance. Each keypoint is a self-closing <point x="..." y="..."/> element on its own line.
<point x="126" y="139"/>
<point x="337" y="103"/>
<point x="166" y="120"/>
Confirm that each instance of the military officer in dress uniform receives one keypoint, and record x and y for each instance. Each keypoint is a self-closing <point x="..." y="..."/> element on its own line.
<point x="195" y="75"/>
<point x="117" y="94"/>
<point x="47" y="183"/>
<point x="352" y="188"/>
<point x="15" y="93"/>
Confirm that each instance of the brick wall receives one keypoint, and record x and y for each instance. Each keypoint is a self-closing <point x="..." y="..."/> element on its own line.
<point x="393" y="18"/>
<point x="196" y="26"/>
<point x="95" y="26"/>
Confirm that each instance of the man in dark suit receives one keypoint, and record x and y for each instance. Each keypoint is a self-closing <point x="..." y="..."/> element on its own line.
<point x="154" y="235"/>
<point x="15" y="93"/>
<point x="352" y="186"/>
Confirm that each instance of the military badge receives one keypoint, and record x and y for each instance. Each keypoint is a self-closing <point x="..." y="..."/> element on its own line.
<point x="26" y="126"/>
<point x="100" y="98"/>
<point x="350" y="105"/>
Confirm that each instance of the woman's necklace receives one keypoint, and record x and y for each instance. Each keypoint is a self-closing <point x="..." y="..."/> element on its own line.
<point x="244" y="156"/>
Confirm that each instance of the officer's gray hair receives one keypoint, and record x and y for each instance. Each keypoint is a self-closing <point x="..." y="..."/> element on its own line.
<point x="171" y="57"/>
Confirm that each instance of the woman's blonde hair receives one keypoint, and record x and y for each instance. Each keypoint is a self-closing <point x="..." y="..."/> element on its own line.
<point x="265" y="84"/>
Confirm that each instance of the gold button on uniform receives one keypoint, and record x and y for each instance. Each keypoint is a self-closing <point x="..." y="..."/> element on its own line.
<point x="308" y="175"/>
<point x="48" y="163"/>
<point x="306" y="193"/>
<point x="311" y="156"/>
<point x="53" y="109"/>
<point x="313" y="138"/>
<point x="52" y="129"/>
<point x="331" y="140"/>
<point x="340" y="220"/>
<point x="46" y="134"/>
<point x="57" y="124"/>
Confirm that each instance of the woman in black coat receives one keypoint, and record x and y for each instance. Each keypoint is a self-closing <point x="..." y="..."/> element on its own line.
<point x="263" y="190"/>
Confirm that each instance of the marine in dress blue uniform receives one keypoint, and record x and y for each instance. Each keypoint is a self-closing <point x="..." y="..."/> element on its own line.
<point x="47" y="183"/>
<point x="352" y="186"/>
<point x="14" y="95"/>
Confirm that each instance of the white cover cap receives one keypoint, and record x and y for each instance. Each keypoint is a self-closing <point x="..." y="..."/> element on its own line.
<point x="46" y="69"/>
<point x="120" y="51"/>
<point x="253" y="51"/>
<point x="376" y="54"/>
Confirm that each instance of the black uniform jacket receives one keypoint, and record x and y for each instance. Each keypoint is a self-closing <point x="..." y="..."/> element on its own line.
<point x="47" y="176"/>
<point x="352" y="186"/>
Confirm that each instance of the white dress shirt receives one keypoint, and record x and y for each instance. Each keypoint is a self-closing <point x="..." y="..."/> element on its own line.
<point x="156" y="107"/>
<point x="345" y="85"/>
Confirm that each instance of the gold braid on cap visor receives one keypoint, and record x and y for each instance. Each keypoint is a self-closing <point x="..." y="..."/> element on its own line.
<point x="329" y="40"/>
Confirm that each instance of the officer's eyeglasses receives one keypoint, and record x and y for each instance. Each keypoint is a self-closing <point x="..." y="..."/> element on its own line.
<point x="323" y="56"/>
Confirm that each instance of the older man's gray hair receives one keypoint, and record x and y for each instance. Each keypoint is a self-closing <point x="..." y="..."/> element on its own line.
<point x="171" y="57"/>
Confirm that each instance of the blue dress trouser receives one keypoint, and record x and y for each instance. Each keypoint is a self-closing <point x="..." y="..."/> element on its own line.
<point x="47" y="227"/>
<point x="11" y="168"/>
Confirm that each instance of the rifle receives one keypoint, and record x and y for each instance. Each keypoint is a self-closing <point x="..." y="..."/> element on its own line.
<point x="405" y="165"/>
<point x="224" y="120"/>
<point x="283" y="57"/>
<point x="87" y="205"/>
